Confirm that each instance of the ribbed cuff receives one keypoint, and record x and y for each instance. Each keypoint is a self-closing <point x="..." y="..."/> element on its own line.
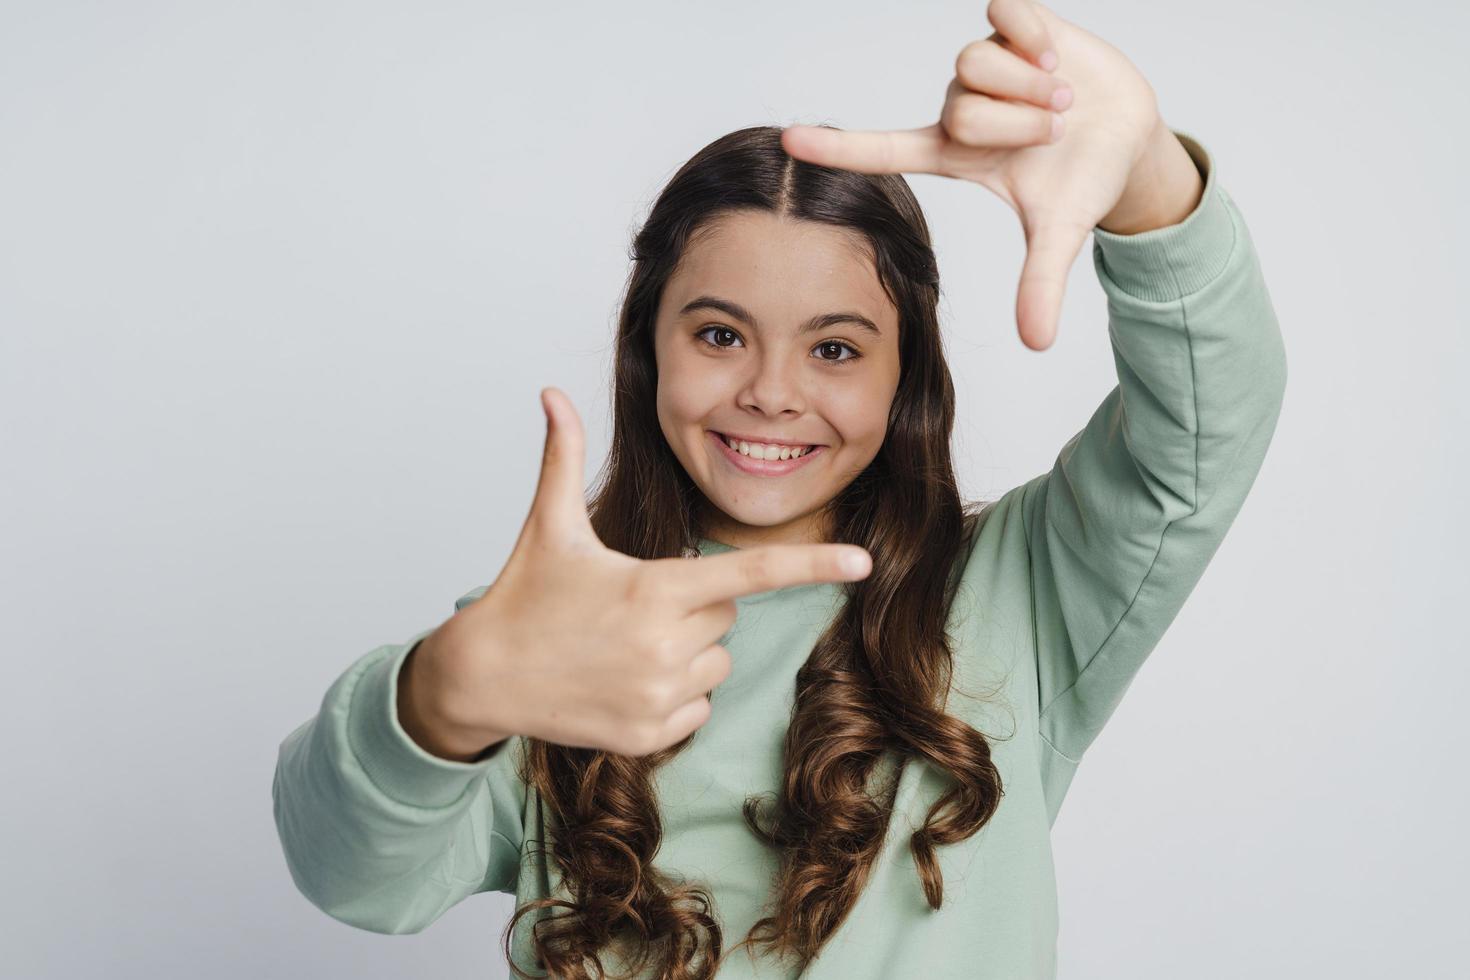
<point x="396" y="764"/>
<point x="472" y="596"/>
<point x="1165" y="264"/>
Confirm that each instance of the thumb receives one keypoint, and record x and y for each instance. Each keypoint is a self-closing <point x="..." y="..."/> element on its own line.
<point x="559" y="507"/>
<point x="1051" y="249"/>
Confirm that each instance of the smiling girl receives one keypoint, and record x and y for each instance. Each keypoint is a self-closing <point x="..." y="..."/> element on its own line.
<point x="678" y="724"/>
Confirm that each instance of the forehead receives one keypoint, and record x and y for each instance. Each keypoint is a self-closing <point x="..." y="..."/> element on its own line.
<point x="780" y="267"/>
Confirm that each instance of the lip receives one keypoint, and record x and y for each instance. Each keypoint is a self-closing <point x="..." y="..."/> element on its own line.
<point x="762" y="467"/>
<point x="743" y="437"/>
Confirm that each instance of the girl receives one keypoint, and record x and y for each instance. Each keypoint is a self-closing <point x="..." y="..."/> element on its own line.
<point x="679" y="723"/>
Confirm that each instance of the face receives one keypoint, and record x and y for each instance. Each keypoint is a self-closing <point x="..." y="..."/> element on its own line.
<point x="775" y="332"/>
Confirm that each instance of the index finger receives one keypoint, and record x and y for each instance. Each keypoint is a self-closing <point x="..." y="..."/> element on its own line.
<point x="901" y="151"/>
<point x="749" y="571"/>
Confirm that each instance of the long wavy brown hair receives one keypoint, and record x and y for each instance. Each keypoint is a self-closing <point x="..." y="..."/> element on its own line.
<point x="875" y="681"/>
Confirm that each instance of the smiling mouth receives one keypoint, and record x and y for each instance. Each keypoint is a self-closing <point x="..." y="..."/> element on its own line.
<point x="759" y="466"/>
<point x="765" y="451"/>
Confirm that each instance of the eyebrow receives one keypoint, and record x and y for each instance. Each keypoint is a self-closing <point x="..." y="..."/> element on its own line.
<point x="819" y="322"/>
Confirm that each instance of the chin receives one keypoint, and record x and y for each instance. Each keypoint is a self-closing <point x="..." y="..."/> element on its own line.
<point x="769" y="513"/>
<point x="757" y="515"/>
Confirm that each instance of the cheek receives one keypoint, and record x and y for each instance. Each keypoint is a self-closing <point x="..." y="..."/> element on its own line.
<point x="859" y="416"/>
<point x="687" y="396"/>
<point x="681" y="399"/>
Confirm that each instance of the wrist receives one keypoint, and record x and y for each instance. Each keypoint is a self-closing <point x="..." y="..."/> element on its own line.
<point x="1163" y="189"/>
<point x="427" y="724"/>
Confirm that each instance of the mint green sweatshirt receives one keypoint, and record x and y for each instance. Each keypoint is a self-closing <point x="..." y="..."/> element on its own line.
<point x="1072" y="580"/>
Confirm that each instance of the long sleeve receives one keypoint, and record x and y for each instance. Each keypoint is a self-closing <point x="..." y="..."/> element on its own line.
<point x="1122" y="526"/>
<point x="379" y="833"/>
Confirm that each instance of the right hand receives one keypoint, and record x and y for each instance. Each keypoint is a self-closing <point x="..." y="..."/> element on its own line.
<point x="581" y="645"/>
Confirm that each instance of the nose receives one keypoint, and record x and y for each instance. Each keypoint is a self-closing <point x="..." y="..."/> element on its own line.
<point x="775" y="387"/>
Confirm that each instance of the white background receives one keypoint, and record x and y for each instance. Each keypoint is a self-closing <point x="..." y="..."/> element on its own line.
<point x="280" y="282"/>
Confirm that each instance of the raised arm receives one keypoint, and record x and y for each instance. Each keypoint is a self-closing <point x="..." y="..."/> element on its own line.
<point x="379" y="833"/>
<point x="1121" y="528"/>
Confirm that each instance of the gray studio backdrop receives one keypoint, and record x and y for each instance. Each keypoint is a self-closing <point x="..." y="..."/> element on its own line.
<point x="280" y="282"/>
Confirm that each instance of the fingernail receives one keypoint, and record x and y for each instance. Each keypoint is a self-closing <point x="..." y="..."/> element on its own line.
<point x="855" y="562"/>
<point x="1056" y="126"/>
<point x="1049" y="60"/>
<point x="1061" y="98"/>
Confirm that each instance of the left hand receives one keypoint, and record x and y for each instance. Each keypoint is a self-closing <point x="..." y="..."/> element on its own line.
<point x="996" y="129"/>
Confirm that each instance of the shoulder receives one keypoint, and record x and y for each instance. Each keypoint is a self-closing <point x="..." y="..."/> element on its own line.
<point x="995" y="528"/>
<point x="977" y="514"/>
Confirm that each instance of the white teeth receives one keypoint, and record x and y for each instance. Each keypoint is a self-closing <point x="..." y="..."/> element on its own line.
<point x="759" y="450"/>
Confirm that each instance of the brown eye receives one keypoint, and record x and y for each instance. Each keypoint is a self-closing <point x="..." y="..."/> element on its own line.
<point x="719" y="332"/>
<point x="838" y="346"/>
